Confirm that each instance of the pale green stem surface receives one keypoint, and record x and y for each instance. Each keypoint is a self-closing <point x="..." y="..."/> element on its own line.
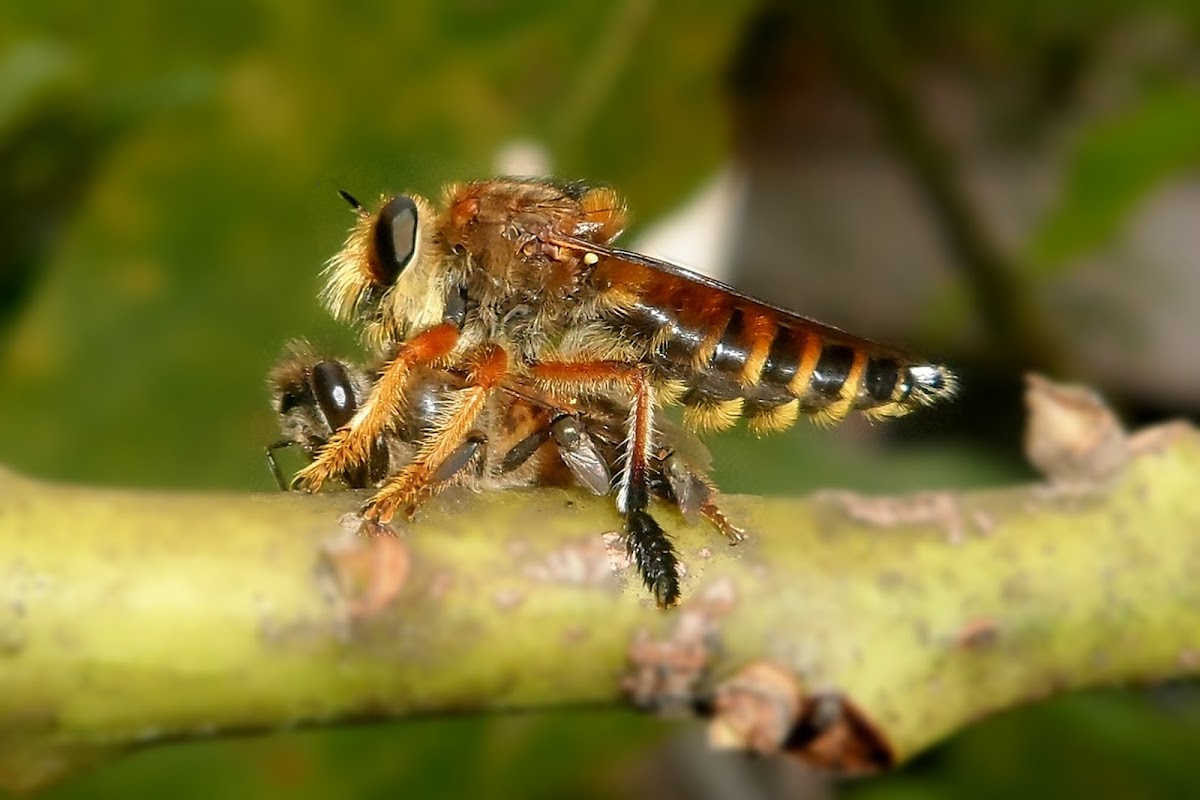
<point x="130" y="616"/>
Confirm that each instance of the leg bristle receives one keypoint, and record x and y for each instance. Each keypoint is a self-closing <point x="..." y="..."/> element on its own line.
<point x="654" y="556"/>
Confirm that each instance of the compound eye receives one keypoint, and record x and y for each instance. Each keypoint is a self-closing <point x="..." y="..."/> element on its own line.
<point x="395" y="239"/>
<point x="335" y="395"/>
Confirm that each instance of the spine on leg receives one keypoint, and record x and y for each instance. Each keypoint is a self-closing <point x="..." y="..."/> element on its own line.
<point x="654" y="556"/>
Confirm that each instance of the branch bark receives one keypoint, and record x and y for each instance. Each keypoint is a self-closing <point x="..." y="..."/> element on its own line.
<point x="855" y="632"/>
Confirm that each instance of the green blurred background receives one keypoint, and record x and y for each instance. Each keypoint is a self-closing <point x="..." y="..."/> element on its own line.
<point x="1006" y="184"/>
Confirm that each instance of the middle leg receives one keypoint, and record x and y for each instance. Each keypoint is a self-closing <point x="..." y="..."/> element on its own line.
<point x="645" y="540"/>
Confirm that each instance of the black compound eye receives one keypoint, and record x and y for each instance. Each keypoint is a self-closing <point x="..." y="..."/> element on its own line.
<point x="395" y="239"/>
<point x="335" y="395"/>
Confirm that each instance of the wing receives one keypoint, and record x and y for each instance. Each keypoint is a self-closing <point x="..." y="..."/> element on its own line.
<point x="581" y="455"/>
<point x="784" y="317"/>
<point x="737" y="354"/>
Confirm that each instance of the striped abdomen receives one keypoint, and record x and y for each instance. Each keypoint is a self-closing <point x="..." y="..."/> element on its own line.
<point x="724" y="356"/>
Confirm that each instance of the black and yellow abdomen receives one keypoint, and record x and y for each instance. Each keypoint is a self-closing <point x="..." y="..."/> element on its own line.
<point x="723" y="356"/>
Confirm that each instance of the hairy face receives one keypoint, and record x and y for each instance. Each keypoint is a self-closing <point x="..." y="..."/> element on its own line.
<point x="314" y="396"/>
<point x="389" y="275"/>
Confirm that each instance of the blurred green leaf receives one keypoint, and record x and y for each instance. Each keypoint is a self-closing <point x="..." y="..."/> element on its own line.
<point x="1116" y="163"/>
<point x="1101" y="745"/>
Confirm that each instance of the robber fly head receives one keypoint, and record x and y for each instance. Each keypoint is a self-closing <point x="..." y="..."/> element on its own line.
<point x="388" y="277"/>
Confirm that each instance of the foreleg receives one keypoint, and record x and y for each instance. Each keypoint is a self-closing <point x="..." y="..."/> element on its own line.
<point x="448" y="442"/>
<point x="351" y="446"/>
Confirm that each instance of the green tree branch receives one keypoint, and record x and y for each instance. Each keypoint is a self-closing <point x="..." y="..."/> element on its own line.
<point x="854" y="632"/>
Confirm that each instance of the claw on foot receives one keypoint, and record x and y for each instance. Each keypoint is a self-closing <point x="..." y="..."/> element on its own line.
<point x="717" y="517"/>
<point x="304" y="481"/>
<point x="383" y="506"/>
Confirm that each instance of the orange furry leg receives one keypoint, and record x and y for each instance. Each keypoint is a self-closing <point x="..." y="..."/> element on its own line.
<point x="565" y="379"/>
<point x="415" y="481"/>
<point x="351" y="445"/>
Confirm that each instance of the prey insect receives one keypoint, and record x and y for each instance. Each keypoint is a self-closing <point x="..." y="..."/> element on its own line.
<point x="312" y="397"/>
<point x="517" y="442"/>
<point x="516" y="282"/>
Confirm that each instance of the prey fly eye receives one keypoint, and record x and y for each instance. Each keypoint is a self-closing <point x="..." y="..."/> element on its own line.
<point x="395" y="243"/>
<point x="335" y="395"/>
<point x="291" y="399"/>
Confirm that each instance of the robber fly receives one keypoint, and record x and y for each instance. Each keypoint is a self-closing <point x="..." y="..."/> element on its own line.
<point x="517" y="442"/>
<point x="517" y="282"/>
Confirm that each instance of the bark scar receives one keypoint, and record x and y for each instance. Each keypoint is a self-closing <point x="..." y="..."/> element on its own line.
<point x="665" y="674"/>
<point x="1072" y="437"/>
<point x="764" y="708"/>
<point x="369" y="565"/>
